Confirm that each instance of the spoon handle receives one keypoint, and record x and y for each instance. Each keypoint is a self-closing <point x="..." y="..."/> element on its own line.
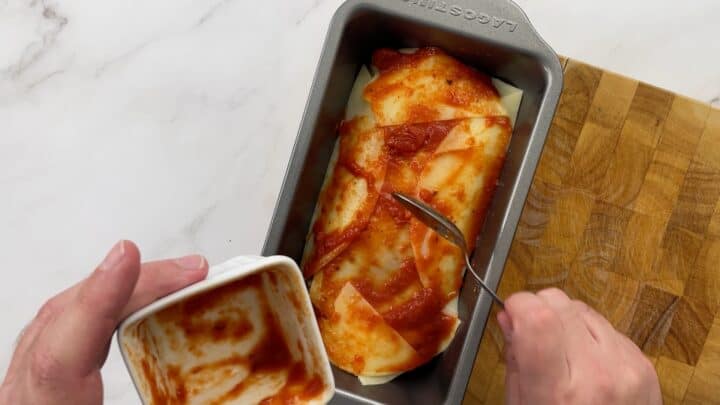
<point x="482" y="283"/>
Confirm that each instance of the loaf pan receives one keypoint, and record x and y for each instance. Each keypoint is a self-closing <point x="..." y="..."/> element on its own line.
<point x="493" y="36"/>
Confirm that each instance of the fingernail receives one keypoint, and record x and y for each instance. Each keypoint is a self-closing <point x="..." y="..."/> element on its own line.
<point x="114" y="257"/>
<point x="192" y="262"/>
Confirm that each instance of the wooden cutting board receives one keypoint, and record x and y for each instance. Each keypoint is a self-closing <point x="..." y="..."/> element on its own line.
<point x="624" y="214"/>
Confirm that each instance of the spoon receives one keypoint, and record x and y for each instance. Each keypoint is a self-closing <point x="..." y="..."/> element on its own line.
<point x="445" y="228"/>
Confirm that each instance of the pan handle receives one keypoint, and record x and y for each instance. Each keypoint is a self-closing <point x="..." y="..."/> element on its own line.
<point x="500" y="21"/>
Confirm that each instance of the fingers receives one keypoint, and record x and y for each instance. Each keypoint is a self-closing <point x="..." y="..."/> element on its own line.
<point x="76" y="341"/>
<point x="505" y="325"/>
<point x="70" y="335"/>
<point x="577" y="336"/>
<point x="558" y="300"/>
<point x="160" y="278"/>
<point x="90" y="308"/>
<point x="599" y="327"/>
<point x="535" y="338"/>
<point x="512" y="387"/>
<point x="583" y="324"/>
<point x="560" y="350"/>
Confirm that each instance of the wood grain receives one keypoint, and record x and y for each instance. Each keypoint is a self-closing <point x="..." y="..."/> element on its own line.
<point x="674" y="377"/>
<point x="624" y="213"/>
<point x="581" y="81"/>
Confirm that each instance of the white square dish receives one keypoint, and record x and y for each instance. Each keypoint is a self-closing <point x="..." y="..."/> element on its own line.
<point x="246" y="334"/>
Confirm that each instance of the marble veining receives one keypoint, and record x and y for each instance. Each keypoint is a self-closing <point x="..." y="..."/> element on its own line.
<point x="171" y="122"/>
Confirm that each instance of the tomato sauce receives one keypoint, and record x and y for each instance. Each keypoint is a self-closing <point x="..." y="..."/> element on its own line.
<point x="410" y="138"/>
<point x="445" y="82"/>
<point x="326" y="242"/>
<point x="499" y="120"/>
<point x="398" y="213"/>
<point x="389" y="59"/>
<point x="421" y="322"/>
<point x="395" y="284"/>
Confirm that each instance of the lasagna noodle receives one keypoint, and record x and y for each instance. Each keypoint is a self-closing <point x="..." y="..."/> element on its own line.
<point x="458" y="181"/>
<point x="428" y="85"/>
<point x="380" y="265"/>
<point x="349" y="194"/>
<point x="358" y="339"/>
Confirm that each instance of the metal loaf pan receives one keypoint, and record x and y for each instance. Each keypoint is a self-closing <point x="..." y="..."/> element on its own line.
<point x="493" y="36"/>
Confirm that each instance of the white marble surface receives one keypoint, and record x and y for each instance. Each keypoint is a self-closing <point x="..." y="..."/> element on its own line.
<point x="168" y="122"/>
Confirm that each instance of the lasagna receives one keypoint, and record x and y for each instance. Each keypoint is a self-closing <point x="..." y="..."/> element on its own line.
<point x="385" y="286"/>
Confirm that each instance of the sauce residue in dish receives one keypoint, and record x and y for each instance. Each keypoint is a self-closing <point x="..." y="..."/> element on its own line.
<point x="200" y="322"/>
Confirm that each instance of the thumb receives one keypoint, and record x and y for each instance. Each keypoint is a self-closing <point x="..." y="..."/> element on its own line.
<point x="78" y="338"/>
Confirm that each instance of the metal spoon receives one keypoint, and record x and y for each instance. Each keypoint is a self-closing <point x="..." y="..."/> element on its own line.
<point x="445" y="228"/>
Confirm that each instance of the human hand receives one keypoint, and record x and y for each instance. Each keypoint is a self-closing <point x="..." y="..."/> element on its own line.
<point x="560" y="351"/>
<point x="59" y="355"/>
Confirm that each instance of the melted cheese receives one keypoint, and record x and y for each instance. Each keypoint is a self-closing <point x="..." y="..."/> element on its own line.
<point x="385" y="286"/>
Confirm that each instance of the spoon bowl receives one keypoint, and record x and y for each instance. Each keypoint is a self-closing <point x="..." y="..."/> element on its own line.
<point x="445" y="228"/>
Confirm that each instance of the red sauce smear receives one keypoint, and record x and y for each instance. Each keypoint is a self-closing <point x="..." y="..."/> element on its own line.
<point x="500" y="120"/>
<point x="409" y="138"/>
<point x="326" y="242"/>
<point x="397" y="283"/>
<point x="400" y="214"/>
<point x="464" y="86"/>
<point x="421" y="322"/>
